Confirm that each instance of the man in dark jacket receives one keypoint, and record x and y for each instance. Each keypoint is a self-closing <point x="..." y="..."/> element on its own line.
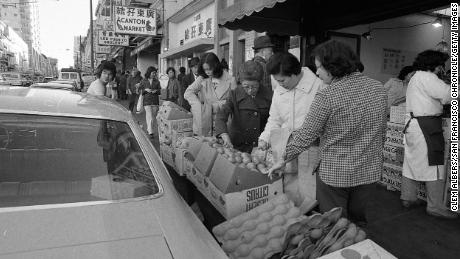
<point x="263" y="50"/>
<point x="133" y="82"/>
<point x="189" y="79"/>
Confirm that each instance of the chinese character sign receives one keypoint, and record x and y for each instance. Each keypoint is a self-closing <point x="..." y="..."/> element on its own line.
<point x="201" y="27"/>
<point x="103" y="49"/>
<point x="112" y="39"/>
<point x="395" y="59"/>
<point x="136" y="21"/>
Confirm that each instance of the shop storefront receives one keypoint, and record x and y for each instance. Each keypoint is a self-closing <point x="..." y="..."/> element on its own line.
<point x="191" y="33"/>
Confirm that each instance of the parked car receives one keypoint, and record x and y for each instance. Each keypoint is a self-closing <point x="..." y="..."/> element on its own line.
<point x="68" y="82"/>
<point x="71" y="75"/>
<point x="79" y="178"/>
<point x="15" y="78"/>
<point x="47" y="79"/>
<point x="68" y="87"/>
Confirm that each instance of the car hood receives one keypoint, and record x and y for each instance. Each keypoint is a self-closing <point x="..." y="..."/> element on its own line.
<point x="112" y="230"/>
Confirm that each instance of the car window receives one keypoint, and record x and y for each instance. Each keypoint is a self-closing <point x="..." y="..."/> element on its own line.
<point x="73" y="76"/>
<point x="51" y="159"/>
<point x="65" y="75"/>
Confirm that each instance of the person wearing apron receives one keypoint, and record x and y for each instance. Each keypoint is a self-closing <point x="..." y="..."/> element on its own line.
<point x="423" y="139"/>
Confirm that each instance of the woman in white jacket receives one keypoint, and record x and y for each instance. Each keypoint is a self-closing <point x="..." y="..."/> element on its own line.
<point x="295" y="90"/>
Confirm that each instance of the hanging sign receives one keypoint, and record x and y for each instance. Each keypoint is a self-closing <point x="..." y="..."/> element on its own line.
<point x="136" y="21"/>
<point x="113" y="39"/>
<point x="200" y="27"/>
<point x="103" y="49"/>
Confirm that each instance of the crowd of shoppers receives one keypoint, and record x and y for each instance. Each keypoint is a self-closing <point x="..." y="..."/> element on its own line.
<point x="336" y="118"/>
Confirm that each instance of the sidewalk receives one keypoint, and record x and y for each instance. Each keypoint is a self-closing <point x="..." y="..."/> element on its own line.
<point x="411" y="233"/>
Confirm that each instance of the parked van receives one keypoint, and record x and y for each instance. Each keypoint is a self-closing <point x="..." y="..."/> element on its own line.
<point x="14" y="78"/>
<point x="71" y="75"/>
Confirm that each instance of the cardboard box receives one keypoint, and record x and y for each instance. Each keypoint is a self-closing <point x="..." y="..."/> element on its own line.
<point x="204" y="161"/>
<point x="183" y="164"/>
<point x="233" y="204"/>
<point x="365" y="249"/>
<point x="393" y="154"/>
<point x="229" y="177"/>
<point x="171" y="111"/>
<point x="392" y="181"/>
<point x="395" y="135"/>
<point x="168" y="155"/>
<point x="421" y="191"/>
<point x="446" y="124"/>
<point x="200" y="181"/>
<point x="398" y="114"/>
<point x="168" y="126"/>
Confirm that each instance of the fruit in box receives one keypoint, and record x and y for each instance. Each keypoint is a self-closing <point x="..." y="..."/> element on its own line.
<point x="231" y="177"/>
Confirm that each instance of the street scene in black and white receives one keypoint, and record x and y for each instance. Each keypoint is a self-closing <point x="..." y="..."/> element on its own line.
<point x="241" y="129"/>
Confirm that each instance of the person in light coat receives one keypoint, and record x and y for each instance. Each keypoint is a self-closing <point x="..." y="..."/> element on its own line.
<point x="423" y="139"/>
<point x="208" y="94"/>
<point x="293" y="95"/>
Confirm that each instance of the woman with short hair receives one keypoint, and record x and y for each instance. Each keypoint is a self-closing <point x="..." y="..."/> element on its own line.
<point x="105" y="73"/>
<point x="150" y="88"/>
<point x="248" y="105"/>
<point x="173" y="88"/>
<point x="208" y="94"/>
<point x="424" y="142"/>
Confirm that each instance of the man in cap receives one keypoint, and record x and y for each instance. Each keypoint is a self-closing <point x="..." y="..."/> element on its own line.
<point x="263" y="50"/>
<point x="189" y="79"/>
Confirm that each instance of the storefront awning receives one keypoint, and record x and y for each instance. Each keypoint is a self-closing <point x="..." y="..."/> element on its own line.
<point x="301" y="17"/>
<point x="198" y="45"/>
<point x="148" y="42"/>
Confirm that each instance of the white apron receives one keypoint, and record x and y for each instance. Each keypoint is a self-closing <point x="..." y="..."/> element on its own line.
<point x="415" y="165"/>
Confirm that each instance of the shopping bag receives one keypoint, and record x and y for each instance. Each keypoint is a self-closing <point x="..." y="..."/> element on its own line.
<point x="140" y="103"/>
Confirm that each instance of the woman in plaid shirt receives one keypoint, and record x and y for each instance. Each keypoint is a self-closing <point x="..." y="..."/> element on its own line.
<point x="349" y="117"/>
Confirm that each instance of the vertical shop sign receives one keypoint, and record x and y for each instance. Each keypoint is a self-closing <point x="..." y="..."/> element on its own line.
<point x="135" y="21"/>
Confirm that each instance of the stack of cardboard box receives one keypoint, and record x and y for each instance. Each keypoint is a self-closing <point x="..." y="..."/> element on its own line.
<point x="174" y="123"/>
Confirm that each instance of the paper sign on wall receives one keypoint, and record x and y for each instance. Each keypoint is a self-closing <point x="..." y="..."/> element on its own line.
<point x="137" y="21"/>
<point x="395" y="59"/>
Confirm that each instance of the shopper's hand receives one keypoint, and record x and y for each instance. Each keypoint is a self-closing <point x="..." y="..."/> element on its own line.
<point x="262" y="145"/>
<point x="148" y="90"/>
<point x="276" y="169"/>
<point x="226" y="138"/>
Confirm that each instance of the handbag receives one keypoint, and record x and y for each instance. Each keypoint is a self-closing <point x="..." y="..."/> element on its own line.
<point x="140" y="104"/>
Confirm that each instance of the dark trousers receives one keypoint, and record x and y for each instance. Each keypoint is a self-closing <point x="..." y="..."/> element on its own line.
<point x="132" y="101"/>
<point x="353" y="200"/>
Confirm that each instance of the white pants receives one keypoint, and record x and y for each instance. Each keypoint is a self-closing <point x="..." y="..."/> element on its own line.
<point x="150" y="117"/>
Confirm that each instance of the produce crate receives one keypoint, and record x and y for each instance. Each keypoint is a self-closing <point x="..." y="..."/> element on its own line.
<point x="235" y="203"/>
<point x="204" y="161"/>
<point x="367" y="249"/>
<point x="168" y="155"/>
<point x="183" y="164"/>
<point x="393" y="154"/>
<point x="394" y="134"/>
<point x="198" y="179"/>
<point x="398" y="114"/>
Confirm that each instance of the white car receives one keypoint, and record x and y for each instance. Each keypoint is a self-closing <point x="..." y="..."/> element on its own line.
<point x="80" y="179"/>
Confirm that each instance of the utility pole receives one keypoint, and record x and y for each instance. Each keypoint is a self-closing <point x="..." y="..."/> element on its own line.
<point x="79" y="52"/>
<point x="91" y="32"/>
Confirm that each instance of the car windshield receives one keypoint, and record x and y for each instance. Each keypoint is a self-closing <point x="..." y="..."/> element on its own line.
<point x="65" y="75"/>
<point x="52" y="159"/>
<point x="73" y="76"/>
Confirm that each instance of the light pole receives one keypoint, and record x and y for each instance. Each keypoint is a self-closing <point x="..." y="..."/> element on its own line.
<point x="91" y="32"/>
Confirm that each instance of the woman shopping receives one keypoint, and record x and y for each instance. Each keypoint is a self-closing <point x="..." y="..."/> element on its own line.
<point x="150" y="89"/>
<point x="208" y="94"/>
<point x="249" y="105"/>
<point x="424" y="142"/>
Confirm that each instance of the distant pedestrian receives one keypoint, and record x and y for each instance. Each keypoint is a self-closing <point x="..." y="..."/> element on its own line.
<point x="122" y="86"/>
<point x="133" y="86"/>
<point x="181" y="74"/>
<point x="104" y="74"/>
<point x="150" y="88"/>
<point x="263" y="50"/>
<point x="173" y="89"/>
<point x="189" y="79"/>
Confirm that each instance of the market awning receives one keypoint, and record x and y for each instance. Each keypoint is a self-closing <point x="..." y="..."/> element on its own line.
<point x="198" y="45"/>
<point x="301" y="17"/>
<point x="145" y="44"/>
